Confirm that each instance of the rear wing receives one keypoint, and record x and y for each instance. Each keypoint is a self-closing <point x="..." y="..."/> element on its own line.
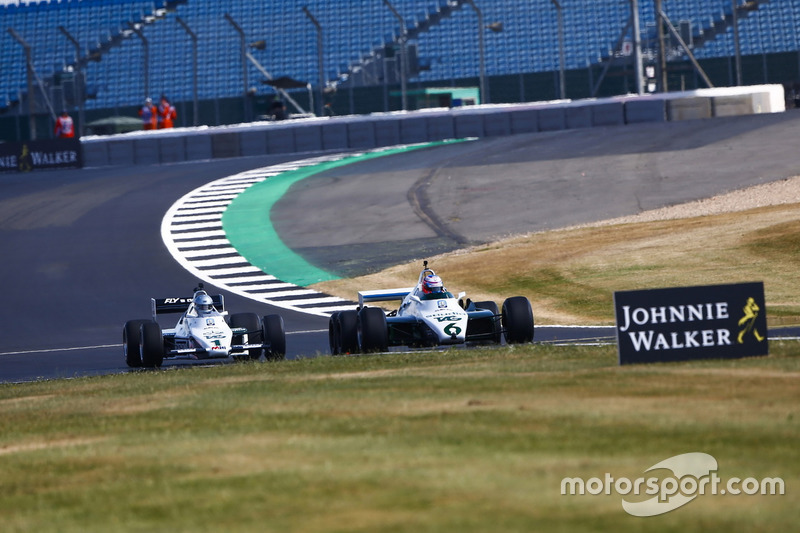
<point x="160" y="306"/>
<point x="384" y="295"/>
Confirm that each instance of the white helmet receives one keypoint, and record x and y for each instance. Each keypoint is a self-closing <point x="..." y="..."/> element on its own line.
<point x="203" y="303"/>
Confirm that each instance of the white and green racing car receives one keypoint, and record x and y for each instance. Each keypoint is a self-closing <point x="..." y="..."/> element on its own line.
<point x="204" y="331"/>
<point x="429" y="315"/>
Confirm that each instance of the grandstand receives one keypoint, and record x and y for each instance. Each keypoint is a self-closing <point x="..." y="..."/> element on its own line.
<point x="521" y="50"/>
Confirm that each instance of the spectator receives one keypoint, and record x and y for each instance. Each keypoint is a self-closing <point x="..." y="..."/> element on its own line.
<point x="166" y="114"/>
<point x="148" y="114"/>
<point x="65" y="129"/>
<point x="277" y="110"/>
<point x="327" y="110"/>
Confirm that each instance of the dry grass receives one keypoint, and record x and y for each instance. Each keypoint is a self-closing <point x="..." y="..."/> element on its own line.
<point x="460" y="440"/>
<point x="570" y="275"/>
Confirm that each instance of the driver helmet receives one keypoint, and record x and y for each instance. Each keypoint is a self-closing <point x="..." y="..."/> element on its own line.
<point x="203" y="303"/>
<point x="432" y="283"/>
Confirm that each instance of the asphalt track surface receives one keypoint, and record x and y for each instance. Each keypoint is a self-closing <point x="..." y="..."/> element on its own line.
<point x="82" y="250"/>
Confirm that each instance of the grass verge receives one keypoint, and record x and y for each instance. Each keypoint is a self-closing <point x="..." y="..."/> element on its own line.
<point x="570" y="275"/>
<point x="462" y="440"/>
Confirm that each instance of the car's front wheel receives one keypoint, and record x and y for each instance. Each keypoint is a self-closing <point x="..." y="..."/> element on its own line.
<point x="130" y="343"/>
<point x="274" y="333"/>
<point x="518" y="320"/>
<point x="373" y="335"/>
<point x="151" y="345"/>
<point x="348" y="332"/>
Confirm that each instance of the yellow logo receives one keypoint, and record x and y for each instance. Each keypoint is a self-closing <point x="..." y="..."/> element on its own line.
<point x="751" y="311"/>
<point x="25" y="160"/>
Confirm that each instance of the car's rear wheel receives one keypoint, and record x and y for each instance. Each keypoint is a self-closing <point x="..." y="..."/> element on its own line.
<point x="255" y="334"/>
<point x="348" y="332"/>
<point x="274" y="334"/>
<point x="130" y="342"/>
<point x="497" y="329"/>
<point x="373" y="334"/>
<point x="333" y="333"/>
<point x="151" y="344"/>
<point x="518" y="320"/>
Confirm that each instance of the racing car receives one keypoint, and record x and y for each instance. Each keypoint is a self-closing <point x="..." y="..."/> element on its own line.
<point x="204" y="331"/>
<point x="429" y="315"/>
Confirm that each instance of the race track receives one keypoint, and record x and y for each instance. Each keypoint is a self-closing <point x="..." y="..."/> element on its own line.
<point x="83" y="251"/>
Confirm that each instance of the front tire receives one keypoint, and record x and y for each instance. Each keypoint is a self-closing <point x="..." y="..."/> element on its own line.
<point x="373" y="334"/>
<point x="131" y="341"/>
<point x="518" y="320"/>
<point x="348" y="332"/>
<point x="334" y="334"/>
<point x="151" y="345"/>
<point x="255" y="334"/>
<point x="274" y="334"/>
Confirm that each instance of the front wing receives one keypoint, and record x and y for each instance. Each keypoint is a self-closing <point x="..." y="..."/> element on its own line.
<point x="192" y="353"/>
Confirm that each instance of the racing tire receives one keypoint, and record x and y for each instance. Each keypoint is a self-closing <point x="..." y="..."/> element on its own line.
<point x="273" y="332"/>
<point x="348" y="332"/>
<point x="255" y="333"/>
<point x="497" y="328"/>
<point x="333" y="333"/>
<point x="151" y="345"/>
<point x="373" y="335"/>
<point x="130" y="343"/>
<point x="518" y="320"/>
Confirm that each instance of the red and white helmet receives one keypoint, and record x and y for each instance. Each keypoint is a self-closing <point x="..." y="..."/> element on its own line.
<point x="432" y="283"/>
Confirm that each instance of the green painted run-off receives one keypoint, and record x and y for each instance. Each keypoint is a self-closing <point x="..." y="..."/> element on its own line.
<point x="249" y="228"/>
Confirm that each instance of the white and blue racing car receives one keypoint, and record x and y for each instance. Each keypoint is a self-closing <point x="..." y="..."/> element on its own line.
<point x="429" y="315"/>
<point x="204" y="331"/>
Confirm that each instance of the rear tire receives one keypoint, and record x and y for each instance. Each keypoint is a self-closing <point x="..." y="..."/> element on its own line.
<point x="518" y="320"/>
<point x="255" y="334"/>
<point x="131" y="341"/>
<point x="348" y="332"/>
<point x="274" y="334"/>
<point x="497" y="328"/>
<point x="373" y="336"/>
<point x="151" y="345"/>
<point x="334" y="334"/>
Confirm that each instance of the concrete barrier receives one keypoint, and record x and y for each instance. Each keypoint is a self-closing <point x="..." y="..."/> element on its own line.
<point x="361" y="135"/>
<point x="688" y="108"/>
<point x="610" y="114"/>
<point x="525" y="121"/>
<point x="225" y="145"/>
<point x="253" y="142"/>
<point x="468" y="125"/>
<point x="440" y="127"/>
<point x="578" y="117"/>
<point x="730" y="106"/>
<point x="145" y="152"/>
<point x="413" y="130"/>
<point x="387" y="132"/>
<point x="552" y="119"/>
<point x="497" y="124"/>
<point x="95" y="154"/>
<point x="198" y="148"/>
<point x="639" y="111"/>
<point x="307" y="138"/>
<point x="172" y="149"/>
<point x="280" y="140"/>
<point x="334" y="136"/>
<point x="389" y="129"/>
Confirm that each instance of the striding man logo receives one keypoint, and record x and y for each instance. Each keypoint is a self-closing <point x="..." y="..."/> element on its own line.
<point x="748" y="321"/>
